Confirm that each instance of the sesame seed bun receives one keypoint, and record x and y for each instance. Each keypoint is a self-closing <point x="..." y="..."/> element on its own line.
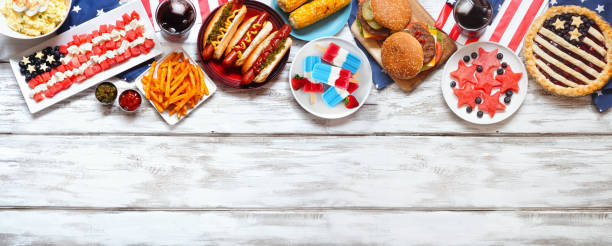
<point x="402" y="55"/>
<point x="394" y="15"/>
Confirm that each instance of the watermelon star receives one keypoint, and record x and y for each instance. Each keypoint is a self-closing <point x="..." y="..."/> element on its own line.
<point x="491" y="104"/>
<point x="464" y="74"/>
<point x="486" y="59"/>
<point x="509" y="80"/>
<point x="486" y="81"/>
<point x="467" y="95"/>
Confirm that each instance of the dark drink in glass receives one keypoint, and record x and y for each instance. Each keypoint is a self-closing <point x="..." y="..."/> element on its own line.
<point x="473" y="16"/>
<point x="175" y="18"/>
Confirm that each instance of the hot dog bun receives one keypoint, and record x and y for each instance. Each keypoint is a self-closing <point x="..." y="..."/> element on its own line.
<point x="244" y="27"/>
<point x="257" y="52"/>
<point x="228" y="34"/>
<point x="263" y="33"/>
<point x="265" y="72"/>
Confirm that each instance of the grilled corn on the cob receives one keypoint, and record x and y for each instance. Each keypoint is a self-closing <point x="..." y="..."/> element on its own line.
<point x="314" y="11"/>
<point x="290" y="5"/>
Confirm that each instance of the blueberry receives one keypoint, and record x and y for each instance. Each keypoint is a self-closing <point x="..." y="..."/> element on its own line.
<point x="47" y="50"/>
<point x="504" y="64"/>
<point x="500" y="56"/>
<point x="453" y="84"/>
<point x="479" y="114"/>
<point x="468" y="109"/>
<point x="478" y="100"/>
<point x="479" y="68"/>
<point x="28" y="77"/>
<point x="21" y="64"/>
<point x="474" y="55"/>
<point x="500" y="71"/>
<point x="56" y="64"/>
<point x="56" y="49"/>
<point x="509" y="93"/>
<point x="507" y="99"/>
<point x="466" y="59"/>
<point x="22" y="70"/>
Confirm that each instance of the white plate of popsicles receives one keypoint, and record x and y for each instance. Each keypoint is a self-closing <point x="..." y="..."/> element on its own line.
<point x="334" y="78"/>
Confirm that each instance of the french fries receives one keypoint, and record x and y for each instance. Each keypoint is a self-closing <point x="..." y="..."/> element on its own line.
<point x="177" y="86"/>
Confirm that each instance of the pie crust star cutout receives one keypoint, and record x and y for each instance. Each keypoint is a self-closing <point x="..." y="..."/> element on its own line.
<point x="31" y="69"/>
<point x="486" y="82"/>
<point x="467" y="96"/>
<point x="50" y="59"/>
<point x="464" y="74"/>
<point x="486" y="59"/>
<point x="576" y="21"/>
<point x="491" y="104"/>
<point x="559" y="24"/>
<point x="575" y="34"/>
<point x="25" y="60"/>
<point x="509" y="80"/>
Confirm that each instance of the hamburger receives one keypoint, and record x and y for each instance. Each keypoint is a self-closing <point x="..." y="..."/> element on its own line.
<point x="416" y="49"/>
<point x="377" y="19"/>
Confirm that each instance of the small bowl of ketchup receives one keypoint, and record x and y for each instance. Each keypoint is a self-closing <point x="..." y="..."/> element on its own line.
<point x="130" y="100"/>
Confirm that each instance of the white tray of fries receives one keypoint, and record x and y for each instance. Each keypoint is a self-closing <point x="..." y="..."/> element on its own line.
<point x="175" y="86"/>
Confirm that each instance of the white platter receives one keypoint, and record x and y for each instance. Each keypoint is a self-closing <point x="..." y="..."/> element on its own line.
<point x="319" y="108"/>
<point x="93" y="24"/>
<point x="172" y="120"/>
<point x="7" y="31"/>
<point x="451" y="100"/>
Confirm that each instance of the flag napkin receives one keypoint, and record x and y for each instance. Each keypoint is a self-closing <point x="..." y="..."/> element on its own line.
<point x="379" y="77"/>
<point x="84" y="10"/>
<point x="510" y="22"/>
<point x="603" y="98"/>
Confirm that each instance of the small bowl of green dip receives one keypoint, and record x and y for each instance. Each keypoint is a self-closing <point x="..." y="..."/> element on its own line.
<point x="106" y="93"/>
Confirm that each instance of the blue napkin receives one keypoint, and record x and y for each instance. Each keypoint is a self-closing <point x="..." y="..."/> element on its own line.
<point x="380" y="78"/>
<point x="84" y="10"/>
<point x="603" y="98"/>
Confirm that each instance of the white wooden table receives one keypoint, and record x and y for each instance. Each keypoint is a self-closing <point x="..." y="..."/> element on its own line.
<point x="253" y="168"/>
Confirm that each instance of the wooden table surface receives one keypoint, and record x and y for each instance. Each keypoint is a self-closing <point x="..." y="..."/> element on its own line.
<point x="250" y="167"/>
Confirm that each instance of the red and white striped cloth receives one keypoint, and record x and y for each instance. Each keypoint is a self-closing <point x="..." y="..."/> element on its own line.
<point x="203" y="8"/>
<point x="508" y="28"/>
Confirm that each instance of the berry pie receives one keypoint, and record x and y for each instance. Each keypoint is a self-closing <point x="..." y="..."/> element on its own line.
<point x="568" y="51"/>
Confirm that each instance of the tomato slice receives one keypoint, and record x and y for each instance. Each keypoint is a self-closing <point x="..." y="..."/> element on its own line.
<point x="438" y="51"/>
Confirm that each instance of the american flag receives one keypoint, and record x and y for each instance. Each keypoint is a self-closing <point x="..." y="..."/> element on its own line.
<point x="203" y="8"/>
<point x="511" y="21"/>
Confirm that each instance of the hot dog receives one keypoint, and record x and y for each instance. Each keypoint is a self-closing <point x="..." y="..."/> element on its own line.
<point x="222" y="28"/>
<point x="246" y="39"/>
<point x="266" y="56"/>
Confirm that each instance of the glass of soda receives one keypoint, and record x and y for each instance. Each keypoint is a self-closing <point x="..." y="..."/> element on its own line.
<point x="473" y="16"/>
<point x="175" y="18"/>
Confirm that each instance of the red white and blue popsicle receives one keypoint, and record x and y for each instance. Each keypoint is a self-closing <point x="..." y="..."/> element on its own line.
<point x="340" y="57"/>
<point x="331" y="75"/>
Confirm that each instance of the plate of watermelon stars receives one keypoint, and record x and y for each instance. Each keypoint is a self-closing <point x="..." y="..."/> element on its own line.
<point x="484" y="83"/>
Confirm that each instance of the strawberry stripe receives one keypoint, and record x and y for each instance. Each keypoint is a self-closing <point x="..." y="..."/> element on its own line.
<point x="454" y="34"/>
<point x="446" y="11"/>
<point x="520" y="32"/>
<point x="204" y="9"/>
<point x="505" y="21"/>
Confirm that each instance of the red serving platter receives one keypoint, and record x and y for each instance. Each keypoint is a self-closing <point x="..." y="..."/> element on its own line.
<point x="231" y="77"/>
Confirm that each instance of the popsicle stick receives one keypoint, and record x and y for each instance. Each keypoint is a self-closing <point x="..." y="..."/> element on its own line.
<point x="312" y="98"/>
<point x="321" y="48"/>
<point x="353" y="80"/>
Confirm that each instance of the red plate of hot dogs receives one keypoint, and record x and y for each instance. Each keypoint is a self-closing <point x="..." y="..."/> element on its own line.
<point x="244" y="44"/>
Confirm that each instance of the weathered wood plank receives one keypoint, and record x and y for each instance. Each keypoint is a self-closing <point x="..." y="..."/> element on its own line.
<point x="304" y="228"/>
<point x="271" y="172"/>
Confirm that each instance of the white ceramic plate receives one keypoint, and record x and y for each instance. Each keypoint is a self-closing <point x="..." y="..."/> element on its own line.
<point x="172" y="120"/>
<point x="5" y="30"/>
<point x="321" y="109"/>
<point x="451" y="100"/>
<point x="93" y="24"/>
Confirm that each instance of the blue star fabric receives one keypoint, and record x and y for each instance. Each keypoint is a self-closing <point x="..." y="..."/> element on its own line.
<point x="602" y="99"/>
<point x="84" y="10"/>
